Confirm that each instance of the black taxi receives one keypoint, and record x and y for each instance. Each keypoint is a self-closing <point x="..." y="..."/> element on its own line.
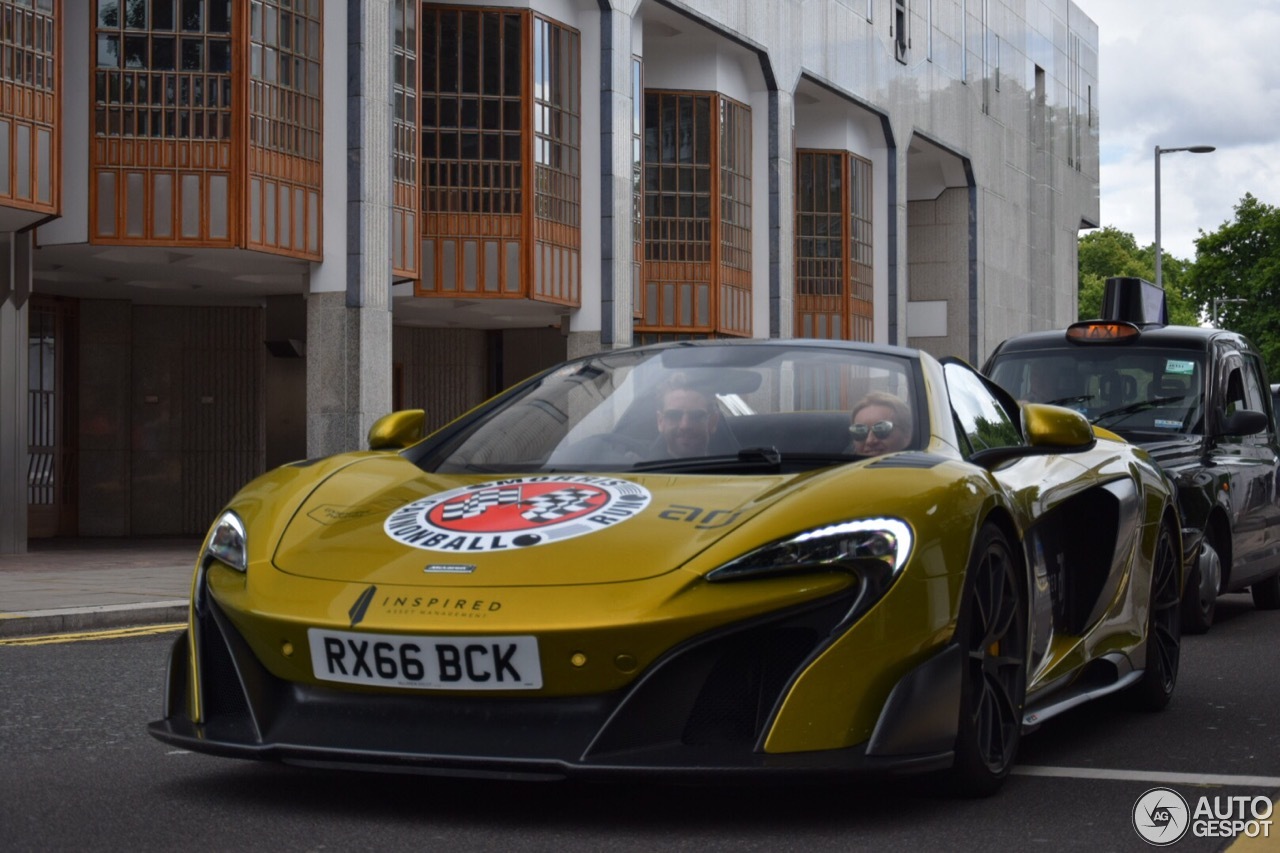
<point x="1198" y="400"/>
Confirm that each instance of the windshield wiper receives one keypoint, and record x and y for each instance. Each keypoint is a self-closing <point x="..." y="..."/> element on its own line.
<point x="1134" y="408"/>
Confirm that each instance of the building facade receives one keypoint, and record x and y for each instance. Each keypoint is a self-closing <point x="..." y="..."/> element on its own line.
<point x="235" y="232"/>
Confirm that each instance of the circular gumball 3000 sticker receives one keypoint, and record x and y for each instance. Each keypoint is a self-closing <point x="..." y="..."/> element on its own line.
<point x="516" y="513"/>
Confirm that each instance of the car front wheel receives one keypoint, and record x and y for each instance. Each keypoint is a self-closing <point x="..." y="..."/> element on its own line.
<point x="1164" y="630"/>
<point x="992" y="630"/>
<point x="1200" y="600"/>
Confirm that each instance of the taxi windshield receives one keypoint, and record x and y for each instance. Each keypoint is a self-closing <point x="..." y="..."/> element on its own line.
<point x="1125" y="389"/>
<point x="716" y="408"/>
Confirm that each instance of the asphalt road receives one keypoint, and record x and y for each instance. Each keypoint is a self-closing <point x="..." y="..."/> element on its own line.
<point x="80" y="773"/>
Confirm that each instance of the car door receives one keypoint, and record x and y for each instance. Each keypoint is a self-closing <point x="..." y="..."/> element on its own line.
<point x="1249" y="464"/>
<point x="1266" y="448"/>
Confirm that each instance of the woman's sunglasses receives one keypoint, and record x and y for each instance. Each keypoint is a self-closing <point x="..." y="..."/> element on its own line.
<point x="880" y="429"/>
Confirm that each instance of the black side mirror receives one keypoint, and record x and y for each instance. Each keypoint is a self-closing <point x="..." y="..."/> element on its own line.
<point x="1245" y="422"/>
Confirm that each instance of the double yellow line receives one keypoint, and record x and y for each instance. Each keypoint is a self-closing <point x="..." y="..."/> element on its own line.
<point x="84" y="636"/>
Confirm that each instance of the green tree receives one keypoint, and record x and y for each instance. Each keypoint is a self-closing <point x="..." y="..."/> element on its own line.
<point x="1241" y="261"/>
<point x="1110" y="252"/>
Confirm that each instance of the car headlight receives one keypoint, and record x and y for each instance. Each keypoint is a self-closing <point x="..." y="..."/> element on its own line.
<point x="226" y="543"/>
<point x="870" y="546"/>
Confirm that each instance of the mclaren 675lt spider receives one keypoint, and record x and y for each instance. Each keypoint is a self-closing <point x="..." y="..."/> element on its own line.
<point x="697" y="560"/>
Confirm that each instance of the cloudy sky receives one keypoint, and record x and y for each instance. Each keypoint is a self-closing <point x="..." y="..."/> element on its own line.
<point x="1176" y="73"/>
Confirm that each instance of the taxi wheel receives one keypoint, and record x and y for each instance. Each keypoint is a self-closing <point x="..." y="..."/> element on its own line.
<point x="1200" y="600"/>
<point x="1266" y="595"/>
<point x="992" y="630"/>
<point x="1164" y="629"/>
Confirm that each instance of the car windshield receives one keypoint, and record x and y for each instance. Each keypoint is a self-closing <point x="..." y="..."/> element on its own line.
<point x="720" y="408"/>
<point x="1129" y="390"/>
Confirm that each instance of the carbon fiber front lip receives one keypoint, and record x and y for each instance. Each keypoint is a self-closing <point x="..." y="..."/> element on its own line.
<point x="677" y="763"/>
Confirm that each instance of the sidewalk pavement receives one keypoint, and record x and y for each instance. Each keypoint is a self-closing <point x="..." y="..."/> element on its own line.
<point x="68" y="585"/>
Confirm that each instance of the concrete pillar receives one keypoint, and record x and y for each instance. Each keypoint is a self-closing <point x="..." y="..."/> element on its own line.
<point x="616" y="110"/>
<point x="349" y="329"/>
<point x="782" y="131"/>
<point x="15" y="290"/>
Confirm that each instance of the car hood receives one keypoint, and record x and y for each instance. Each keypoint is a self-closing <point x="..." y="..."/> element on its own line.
<point x="1172" y="453"/>
<point x="383" y="520"/>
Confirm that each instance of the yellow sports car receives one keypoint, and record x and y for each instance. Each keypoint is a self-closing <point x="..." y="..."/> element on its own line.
<point x="699" y="559"/>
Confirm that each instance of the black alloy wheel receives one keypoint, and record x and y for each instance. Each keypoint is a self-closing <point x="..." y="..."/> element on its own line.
<point x="1200" y="601"/>
<point x="1164" y="627"/>
<point x="993" y="633"/>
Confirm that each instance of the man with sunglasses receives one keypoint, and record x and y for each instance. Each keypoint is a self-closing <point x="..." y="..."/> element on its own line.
<point x="687" y="419"/>
<point x="881" y="424"/>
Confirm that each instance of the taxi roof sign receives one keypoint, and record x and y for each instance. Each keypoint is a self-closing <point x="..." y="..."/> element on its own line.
<point x="1102" y="331"/>
<point x="1134" y="300"/>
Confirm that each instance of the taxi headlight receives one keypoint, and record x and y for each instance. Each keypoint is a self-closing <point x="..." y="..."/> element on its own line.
<point x="877" y="546"/>
<point x="226" y="543"/>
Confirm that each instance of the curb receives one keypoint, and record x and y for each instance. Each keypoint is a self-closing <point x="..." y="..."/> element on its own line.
<point x="33" y="623"/>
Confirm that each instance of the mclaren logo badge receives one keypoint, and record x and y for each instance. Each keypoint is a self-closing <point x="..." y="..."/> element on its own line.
<point x="358" y="609"/>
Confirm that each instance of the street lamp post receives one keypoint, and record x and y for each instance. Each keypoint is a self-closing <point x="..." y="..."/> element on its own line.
<point x="1222" y="300"/>
<point x="1194" y="149"/>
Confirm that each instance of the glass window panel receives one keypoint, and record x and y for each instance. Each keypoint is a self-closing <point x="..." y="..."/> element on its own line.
<point x="429" y="265"/>
<point x="397" y="238"/>
<point x="299" y="220"/>
<point x="22" y="161"/>
<point x="220" y="56"/>
<point x="269" y="216"/>
<point x="512" y="272"/>
<point x="192" y="54"/>
<point x="218" y="207"/>
<point x="191" y="205"/>
<point x="108" y="51"/>
<point x="512" y="58"/>
<point x="135" y="52"/>
<point x="162" y="204"/>
<point x="134" y="204"/>
<point x="135" y="16"/>
<point x="44" y="160"/>
<point x="192" y="17"/>
<point x="163" y="53"/>
<point x="4" y="157"/>
<point x="448" y="265"/>
<point x="448" y="56"/>
<point x="492" y="57"/>
<point x="284" y="235"/>
<point x="161" y="15"/>
<point x="219" y="16"/>
<point x="470" y="266"/>
<point x="255" y="210"/>
<point x="411" y="228"/>
<point x="108" y="13"/>
<point x="313" y="223"/>
<point x="491" y="266"/>
<point x="107" y="203"/>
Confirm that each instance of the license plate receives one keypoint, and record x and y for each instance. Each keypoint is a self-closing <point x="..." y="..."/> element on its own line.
<point x="429" y="663"/>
